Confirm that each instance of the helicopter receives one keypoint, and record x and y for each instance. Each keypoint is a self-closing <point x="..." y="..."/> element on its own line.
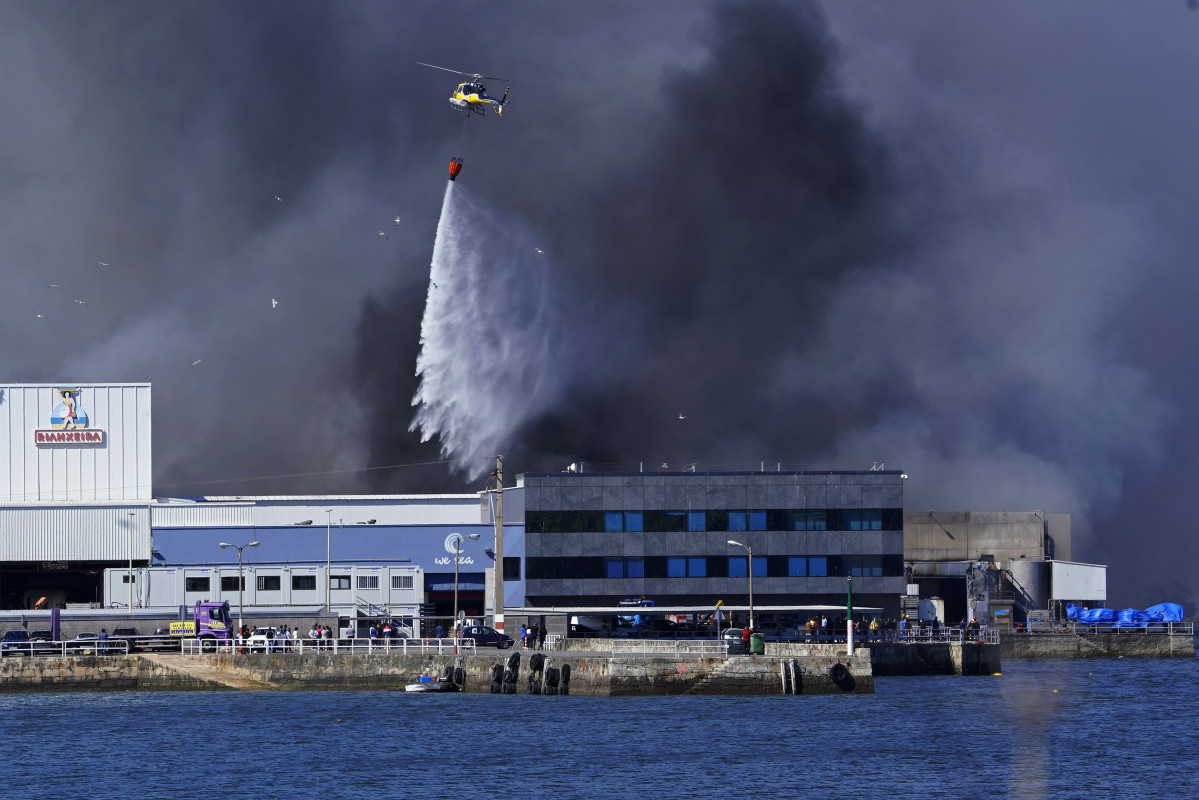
<point x="471" y="95"/>
<point x="470" y="98"/>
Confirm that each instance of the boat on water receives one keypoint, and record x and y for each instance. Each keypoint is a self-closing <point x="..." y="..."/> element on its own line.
<point x="431" y="686"/>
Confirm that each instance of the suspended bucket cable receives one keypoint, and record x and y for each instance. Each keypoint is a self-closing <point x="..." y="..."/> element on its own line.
<point x="456" y="161"/>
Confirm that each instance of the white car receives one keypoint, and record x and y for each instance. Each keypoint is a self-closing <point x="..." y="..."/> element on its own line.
<point x="261" y="640"/>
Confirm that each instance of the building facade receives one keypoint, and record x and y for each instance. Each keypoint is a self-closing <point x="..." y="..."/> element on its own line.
<point x="597" y="539"/>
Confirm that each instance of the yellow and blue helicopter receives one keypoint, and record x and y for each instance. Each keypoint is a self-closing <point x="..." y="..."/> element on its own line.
<point x="471" y="95"/>
<point x="471" y="98"/>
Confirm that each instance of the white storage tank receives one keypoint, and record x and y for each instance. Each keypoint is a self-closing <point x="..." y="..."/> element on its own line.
<point x="932" y="608"/>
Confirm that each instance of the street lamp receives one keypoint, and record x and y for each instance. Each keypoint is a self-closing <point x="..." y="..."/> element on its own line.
<point x="750" y="571"/>
<point x="328" y="556"/>
<point x="240" y="581"/>
<point x="457" y="558"/>
<point x="132" y="519"/>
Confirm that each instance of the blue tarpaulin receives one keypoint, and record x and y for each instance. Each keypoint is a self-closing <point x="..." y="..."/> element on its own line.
<point x="1128" y="618"/>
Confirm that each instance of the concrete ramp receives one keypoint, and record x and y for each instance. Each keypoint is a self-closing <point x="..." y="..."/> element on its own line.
<point x="200" y="669"/>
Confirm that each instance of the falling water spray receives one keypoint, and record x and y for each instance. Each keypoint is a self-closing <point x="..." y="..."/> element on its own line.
<point x="485" y="362"/>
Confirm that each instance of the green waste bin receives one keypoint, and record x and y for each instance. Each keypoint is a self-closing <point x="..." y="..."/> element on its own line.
<point x="757" y="644"/>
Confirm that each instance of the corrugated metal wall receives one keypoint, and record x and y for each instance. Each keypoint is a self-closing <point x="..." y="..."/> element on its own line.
<point x="118" y="469"/>
<point x="74" y="533"/>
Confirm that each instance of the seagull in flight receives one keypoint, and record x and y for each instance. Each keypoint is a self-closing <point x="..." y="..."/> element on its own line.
<point x="41" y="316"/>
<point x="682" y="415"/>
<point x="539" y="250"/>
<point x="103" y="263"/>
<point x="56" y="286"/>
<point x="280" y="199"/>
<point x="81" y="302"/>
<point x="197" y="361"/>
<point x="384" y="235"/>
<point x="274" y="302"/>
<point x="397" y="220"/>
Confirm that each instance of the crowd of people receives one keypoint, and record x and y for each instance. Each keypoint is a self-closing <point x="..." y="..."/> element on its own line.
<point x="889" y="629"/>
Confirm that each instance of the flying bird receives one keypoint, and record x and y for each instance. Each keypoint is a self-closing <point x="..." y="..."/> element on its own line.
<point x="539" y="250"/>
<point x="81" y="302"/>
<point x="682" y="415"/>
<point x="103" y="263"/>
<point x="197" y="361"/>
<point x="280" y="199"/>
<point x="397" y="220"/>
<point x="56" y="286"/>
<point x="41" y="316"/>
<point x="274" y="302"/>
<point x="384" y="235"/>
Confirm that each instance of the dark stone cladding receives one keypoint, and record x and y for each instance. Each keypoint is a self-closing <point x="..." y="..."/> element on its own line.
<point x="558" y="496"/>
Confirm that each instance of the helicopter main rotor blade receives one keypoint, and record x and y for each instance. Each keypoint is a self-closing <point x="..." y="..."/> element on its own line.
<point x="447" y="69"/>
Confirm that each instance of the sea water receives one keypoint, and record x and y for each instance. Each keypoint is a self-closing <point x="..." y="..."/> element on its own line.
<point x="1053" y="728"/>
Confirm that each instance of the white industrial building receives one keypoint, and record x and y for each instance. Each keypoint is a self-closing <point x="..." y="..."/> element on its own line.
<point x="80" y="527"/>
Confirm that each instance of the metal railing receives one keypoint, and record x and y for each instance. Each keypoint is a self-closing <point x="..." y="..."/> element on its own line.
<point x="361" y="647"/>
<point x="75" y="647"/>
<point x="1152" y="628"/>
<point x="944" y="636"/>
<point x="703" y="648"/>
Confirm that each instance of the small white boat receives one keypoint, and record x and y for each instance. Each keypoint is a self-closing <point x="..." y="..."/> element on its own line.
<point x="431" y="686"/>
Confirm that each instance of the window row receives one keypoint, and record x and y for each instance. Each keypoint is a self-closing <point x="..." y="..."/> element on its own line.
<point x="776" y="519"/>
<point x="299" y="583"/>
<point x="585" y="567"/>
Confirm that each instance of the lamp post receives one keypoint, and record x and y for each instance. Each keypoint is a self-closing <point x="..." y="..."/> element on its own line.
<point x="240" y="581"/>
<point x="849" y="614"/>
<point x="132" y="518"/>
<point x="457" y="558"/>
<point x="328" y="556"/>
<point x="749" y="571"/>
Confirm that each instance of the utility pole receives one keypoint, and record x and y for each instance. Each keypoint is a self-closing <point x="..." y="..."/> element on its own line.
<point x="499" y="544"/>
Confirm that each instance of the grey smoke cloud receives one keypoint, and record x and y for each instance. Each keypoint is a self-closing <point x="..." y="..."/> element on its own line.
<point x="954" y="239"/>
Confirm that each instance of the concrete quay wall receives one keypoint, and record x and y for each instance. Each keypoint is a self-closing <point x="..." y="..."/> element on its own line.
<point x="590" y="674"/>
<point x="1106" y="644"/>
<point x="935" y="658"/>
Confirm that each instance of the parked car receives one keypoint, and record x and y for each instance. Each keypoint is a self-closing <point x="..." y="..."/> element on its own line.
<point x="16" y="643"/>
<point x="127" y="635"/>
<point x="42" y="643"/>
<point x="260" y="639"/>
<point x="484" y="636"/>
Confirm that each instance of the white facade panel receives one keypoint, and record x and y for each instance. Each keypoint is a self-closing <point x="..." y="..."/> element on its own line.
<point x="277" y="512"/>
<point x="158" y="587"/>
<point x="100" y="452"/>
<point x="1070" y="580"/>
<point x="74" y="533"/>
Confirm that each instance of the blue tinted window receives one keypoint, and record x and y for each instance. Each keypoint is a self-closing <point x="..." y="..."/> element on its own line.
<point x="634" y="568"/>
<point x="851" y="520"/>
<point x="737" y="521"/>
<point x="613" y="521"/>
<point x="872" y="519"/>
<point x="797" y="567"/>
<point x="759" y="566"/>
<point x="817" y="566"/>
<point x="757" y="520"/>
<point x="614" y="568"/>
<point x="697" y="521"/>
<point x="737" y="567"/>
<point x="697" y="567"/>
<point x="633" y="521"/>
<point x="676" y="568"/>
